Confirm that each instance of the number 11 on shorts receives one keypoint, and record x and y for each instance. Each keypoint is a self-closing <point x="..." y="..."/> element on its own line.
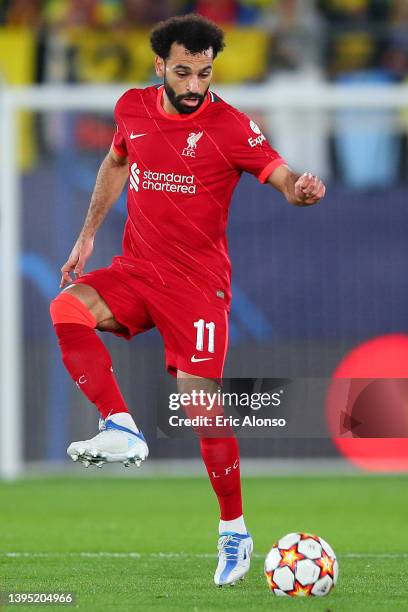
<point x="201" y="326"/>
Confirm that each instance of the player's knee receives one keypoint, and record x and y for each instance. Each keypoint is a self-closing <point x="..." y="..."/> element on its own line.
<point x="66" y="308"/>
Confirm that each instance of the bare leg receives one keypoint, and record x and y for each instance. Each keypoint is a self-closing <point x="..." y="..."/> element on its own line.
<point x="186" y="383"/>
<point x="96" y="306"/>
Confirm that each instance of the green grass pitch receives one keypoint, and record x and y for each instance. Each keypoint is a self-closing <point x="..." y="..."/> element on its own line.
<point x="149" y="544"/>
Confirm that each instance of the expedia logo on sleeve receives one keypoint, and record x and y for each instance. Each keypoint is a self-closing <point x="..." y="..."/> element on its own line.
<point x="253" y="142"/>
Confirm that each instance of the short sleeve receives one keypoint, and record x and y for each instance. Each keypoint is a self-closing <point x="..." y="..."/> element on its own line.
<point x="119" y="140"/>
<point x="249" y="149"/>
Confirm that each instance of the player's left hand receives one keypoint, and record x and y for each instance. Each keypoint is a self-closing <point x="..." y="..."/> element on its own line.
<point x="309" y="189"/>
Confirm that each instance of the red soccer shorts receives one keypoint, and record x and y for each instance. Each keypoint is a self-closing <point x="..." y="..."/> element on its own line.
<point x="193" y="325"/>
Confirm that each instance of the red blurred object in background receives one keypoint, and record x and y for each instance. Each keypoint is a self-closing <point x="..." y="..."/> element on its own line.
<point x="384" y="357"/>
<point x="220" y="11"/>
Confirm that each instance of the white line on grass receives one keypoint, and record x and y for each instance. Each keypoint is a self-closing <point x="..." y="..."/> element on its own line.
<point x="170" y="555"/>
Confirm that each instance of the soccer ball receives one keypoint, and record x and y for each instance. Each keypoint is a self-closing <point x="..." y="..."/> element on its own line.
<point x="301" y="565"/>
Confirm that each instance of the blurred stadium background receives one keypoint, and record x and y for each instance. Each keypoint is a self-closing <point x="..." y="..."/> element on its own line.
<point x="326" y="80"/>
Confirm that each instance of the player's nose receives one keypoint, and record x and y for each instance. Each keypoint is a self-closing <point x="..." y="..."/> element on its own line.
<point x="193" y="85"/>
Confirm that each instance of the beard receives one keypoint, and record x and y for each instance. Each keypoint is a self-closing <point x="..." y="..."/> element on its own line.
<point x="177" y="101"/>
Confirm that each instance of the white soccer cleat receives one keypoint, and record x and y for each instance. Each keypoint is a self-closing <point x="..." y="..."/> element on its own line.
<point x="234" y="558"/>
<point x="114" y="444"/>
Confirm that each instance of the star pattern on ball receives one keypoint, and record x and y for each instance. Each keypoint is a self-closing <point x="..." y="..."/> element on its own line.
<point x="300" y="591"/>
<point x="290" y="557"/>
<point x="326" y="564"/>
<point x="269" y="577"/>
<point x="308" y="536"/>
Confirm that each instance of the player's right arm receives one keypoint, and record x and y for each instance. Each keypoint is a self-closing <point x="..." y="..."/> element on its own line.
<point x="109" y="184"/>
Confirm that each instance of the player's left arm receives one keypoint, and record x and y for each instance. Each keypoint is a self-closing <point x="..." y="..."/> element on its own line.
<point x="300" y="190"/>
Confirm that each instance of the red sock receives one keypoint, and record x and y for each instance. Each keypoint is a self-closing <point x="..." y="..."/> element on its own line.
<point x="221" y="458"/>
<point x="89" y="364"/>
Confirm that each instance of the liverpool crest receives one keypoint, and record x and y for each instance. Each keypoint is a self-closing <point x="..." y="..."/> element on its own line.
<point x="192" y="140"/>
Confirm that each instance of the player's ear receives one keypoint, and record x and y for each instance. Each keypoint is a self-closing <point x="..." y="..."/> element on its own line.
<point x="159" y="66"/>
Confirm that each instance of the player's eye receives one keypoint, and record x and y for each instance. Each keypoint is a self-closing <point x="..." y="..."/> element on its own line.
<point x="205" y="75"/>
<point x="181" y="74"/>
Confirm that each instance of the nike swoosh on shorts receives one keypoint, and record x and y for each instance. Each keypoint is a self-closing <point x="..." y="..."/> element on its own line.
<point x="195" y="360"/>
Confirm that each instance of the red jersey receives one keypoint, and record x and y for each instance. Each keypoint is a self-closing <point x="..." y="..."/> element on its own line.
<point x="182" y="173"/>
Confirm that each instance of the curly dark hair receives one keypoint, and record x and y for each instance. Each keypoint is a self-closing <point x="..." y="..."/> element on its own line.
<point x="194" y="32"/>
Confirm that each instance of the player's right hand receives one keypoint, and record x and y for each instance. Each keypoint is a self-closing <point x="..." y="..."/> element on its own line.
<point x="76" y="261"/>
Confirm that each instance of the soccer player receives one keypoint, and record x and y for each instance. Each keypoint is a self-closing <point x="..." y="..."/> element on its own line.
<point x="183" y="150"/>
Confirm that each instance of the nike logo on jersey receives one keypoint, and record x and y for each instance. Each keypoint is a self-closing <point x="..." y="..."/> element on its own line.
<point x="133" y="136"/>
<point x="195" y="360"/>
